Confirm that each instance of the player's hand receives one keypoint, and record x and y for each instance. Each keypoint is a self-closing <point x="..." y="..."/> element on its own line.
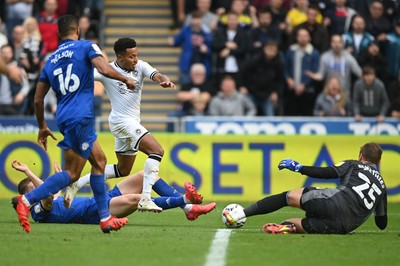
<point x="42" y="137"/>
<point x="130" y="83"/>
<point x="16" y="73"/>
<point x="167" y="84"/>
<point x="290" y="164"/>
<point x="19" y="166"/>
<point x="57" y="167"/>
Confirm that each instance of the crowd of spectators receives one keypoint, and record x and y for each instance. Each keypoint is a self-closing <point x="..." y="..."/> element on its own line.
<point x="288" y="57"/>
<point x="239" y="57"/>
<point x="28" y="35"/>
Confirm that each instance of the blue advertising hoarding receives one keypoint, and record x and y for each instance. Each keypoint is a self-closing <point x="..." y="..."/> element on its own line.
<point x="290" y="126"/>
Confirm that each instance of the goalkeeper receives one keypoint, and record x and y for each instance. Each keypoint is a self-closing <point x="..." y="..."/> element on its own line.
<point x="340" y="210"/>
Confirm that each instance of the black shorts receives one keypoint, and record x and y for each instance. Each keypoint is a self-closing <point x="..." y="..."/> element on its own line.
<point x="322" y="213"/>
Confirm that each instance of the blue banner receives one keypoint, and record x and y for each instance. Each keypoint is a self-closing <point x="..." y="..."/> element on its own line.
<point x="290" y="126"/>
<point x="244" y="126"/>
<point x="23" y="125"/>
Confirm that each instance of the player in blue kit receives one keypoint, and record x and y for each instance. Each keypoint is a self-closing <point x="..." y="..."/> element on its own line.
<point x="69" y="72"/>
<point x="122" y="199"/>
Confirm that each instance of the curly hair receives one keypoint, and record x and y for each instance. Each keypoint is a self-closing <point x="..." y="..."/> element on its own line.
<point x="122" y="44"/>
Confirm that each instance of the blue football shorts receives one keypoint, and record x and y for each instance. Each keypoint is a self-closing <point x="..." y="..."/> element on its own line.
<point x="79" y="135"/>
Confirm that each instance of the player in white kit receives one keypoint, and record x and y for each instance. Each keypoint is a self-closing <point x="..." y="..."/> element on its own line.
<point x="124" y="120"/>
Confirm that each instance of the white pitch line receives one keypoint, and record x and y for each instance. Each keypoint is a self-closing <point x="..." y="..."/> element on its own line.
<point x="217" y="252"/>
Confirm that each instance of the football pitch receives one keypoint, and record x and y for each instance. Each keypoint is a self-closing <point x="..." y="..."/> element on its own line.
<point x="169" y="239"/>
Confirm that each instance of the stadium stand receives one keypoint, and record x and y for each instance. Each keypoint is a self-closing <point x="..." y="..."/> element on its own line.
<point x="148" y="23"/>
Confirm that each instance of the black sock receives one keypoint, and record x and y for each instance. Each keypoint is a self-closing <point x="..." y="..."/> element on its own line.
<point x="116" y="171"/>
<point x="267" y="205"/>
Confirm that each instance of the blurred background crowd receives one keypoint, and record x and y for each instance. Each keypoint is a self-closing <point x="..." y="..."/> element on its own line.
<point x="288" y="57"/>
<point x="239" y="57"/>
<point x="28" y="35"/>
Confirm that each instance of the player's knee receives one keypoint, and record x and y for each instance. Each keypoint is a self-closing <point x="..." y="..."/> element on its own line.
<point x="156" y="149"/>
<point x="73" y="175"/>
<point x="159" y="151"/>
<point x="293" y="198"/>
<point x="99" y="164"/>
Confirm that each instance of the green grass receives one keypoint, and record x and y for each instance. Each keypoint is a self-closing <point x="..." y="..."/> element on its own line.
<point x="169" y="239"/>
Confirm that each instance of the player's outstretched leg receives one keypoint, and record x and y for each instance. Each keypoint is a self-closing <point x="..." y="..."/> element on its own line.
<point x="113" y="224"/>
<point x="191" y="194"/>
<point x="22" y="212"/>
<point x="151" y="170"/>
<point x="198" y="210"/>
<point x="272" y="228"/>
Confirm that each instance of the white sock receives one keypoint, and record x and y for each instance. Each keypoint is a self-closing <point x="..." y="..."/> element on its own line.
<point x="109" y="171"/>
<point x="187" y="207"/>
<point x="26" y="201"/>
<point x="185" y="199"/>
<point x="150" y="176"/>
<point x="83" y="181"/>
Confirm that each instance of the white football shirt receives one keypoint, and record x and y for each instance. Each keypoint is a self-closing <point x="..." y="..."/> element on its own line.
<point x="125" y="103"/>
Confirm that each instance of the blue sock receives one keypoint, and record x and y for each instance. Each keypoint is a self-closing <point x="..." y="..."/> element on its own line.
<point x="163" y="189"/>
<point x="169" y="202"/>
<point x="50" y="186"/>
<point x="100" y="196"/>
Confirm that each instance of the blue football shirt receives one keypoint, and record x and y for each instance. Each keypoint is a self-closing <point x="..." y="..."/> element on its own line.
<point x="69" y="71"/>
<point x="83" y="210"/>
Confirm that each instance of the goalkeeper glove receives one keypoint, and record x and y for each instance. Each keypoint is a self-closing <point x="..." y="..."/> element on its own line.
<point x="290" y="164"/>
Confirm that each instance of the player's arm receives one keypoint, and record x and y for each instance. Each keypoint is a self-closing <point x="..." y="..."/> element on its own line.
<point x="12" y="71"/>
<point x="312" y="171"/>
<point x="47" y="203"/>
<point x="319" y="172"/>
<point x="163" y="80"/>
<point x="41" y="90"/>
<point x="380" y="213"/>
<point x="107" y="70"/>
<point x="26" y="170"/>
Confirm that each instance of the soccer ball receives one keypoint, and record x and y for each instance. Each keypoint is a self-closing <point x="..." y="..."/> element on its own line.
<point x="233" y="208"/>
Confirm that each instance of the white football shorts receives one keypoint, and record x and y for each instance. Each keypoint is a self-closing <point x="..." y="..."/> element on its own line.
<point x="128" y="133"/>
